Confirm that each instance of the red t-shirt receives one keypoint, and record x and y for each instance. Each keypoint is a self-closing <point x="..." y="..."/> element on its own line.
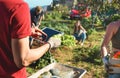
<point x="14" y="23"/>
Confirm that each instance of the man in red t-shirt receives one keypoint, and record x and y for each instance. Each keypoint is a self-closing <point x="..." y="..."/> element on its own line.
<point x="15" y="30"/>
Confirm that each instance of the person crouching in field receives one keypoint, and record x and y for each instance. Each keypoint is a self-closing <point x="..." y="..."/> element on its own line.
<point x="79" y="33"/>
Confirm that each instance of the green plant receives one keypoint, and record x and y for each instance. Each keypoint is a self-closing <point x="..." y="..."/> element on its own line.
<point x="42" y="62"/>
<point x="91" y="31"/>
<point x="91" y="55"/>
<point x="112" y="18"/>
<point x="68" y="40"/>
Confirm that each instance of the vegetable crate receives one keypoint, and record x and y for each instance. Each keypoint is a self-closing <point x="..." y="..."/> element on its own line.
<point x="114" y="65"/>
<point x="63" y="71"/>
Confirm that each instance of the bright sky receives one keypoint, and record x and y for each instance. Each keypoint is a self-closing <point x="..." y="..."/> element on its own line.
<point x="33" y="3"/>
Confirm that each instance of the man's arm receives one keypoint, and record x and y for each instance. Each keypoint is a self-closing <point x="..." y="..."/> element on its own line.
<point x="20" y="32"/>
<point x="83" y="28"/>
<point x="107" y="38"/>
<point x="41" y="17"/>
<point x="23" y="55"/>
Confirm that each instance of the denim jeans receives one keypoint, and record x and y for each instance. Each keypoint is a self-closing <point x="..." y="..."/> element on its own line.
<point x="114" y="75"/>
<point x="80" y="37"/>
<point x="83" y="37"/>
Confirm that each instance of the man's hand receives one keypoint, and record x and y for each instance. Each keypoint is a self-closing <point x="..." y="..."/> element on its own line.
<point x="37" y="33"/>
<point x="54" y="42"/>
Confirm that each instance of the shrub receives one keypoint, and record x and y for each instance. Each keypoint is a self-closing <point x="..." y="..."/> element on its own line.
<point x="91" y="55"/>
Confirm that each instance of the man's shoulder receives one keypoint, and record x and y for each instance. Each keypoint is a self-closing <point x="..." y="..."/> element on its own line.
<point x="113" y="26"/>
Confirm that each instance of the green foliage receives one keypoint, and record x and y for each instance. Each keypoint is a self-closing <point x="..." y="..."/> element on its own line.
<point x="86" y="22"/>
<point x="114" y="17"/>
<point x="97" y="21"/>
<point x="42" y="62"/>
<point x="58" y="36"/>
<point x="48" y="16"/>
<point x="91" y="31"/>
<point x="65" y="15"/>
<point x="58" y="13"/>
<point x="61" y="8"/>
<point x="63" y="26"/>
<point x="91" y="55"/>
<point x="30" y="70"/>
<point x="68" y="40"/>
<point x="53" y="16"/>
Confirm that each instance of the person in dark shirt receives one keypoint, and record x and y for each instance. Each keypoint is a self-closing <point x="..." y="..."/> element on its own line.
<point x="37" y="15"/>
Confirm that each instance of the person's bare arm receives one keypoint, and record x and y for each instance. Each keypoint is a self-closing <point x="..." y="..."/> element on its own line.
<point x="107" y="38"/>
<point x="40" y="19"/>
<point x="81" y="27"/>
<point x="23" y="55"/>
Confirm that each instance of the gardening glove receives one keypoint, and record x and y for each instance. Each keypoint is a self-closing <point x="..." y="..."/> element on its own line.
<point x="54" y="42"/>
